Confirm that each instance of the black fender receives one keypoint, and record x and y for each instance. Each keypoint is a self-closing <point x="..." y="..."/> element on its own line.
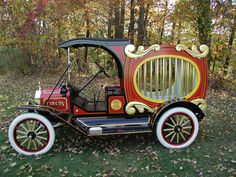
<point x="53" y="115"/>
<point x="42" y="110"/>
<point x="186" y="104"/>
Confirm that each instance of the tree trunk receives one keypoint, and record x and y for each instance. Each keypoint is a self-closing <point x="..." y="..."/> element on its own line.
<point x="141" y="24"/>
<point x="230" y="45"/>
<point x="173" y="33"/>
<point x="214" y="64"/>
<point x="87" y="35"/>
<point x="204" y="24"/>
<point x="117" y="19"/>
<point x="109" y="25"/>
<point x="179" y="32"/>
<point x="145" y="25"/>
<point x="131" y="23"/>
<point x="163" y="22"/>
<point x="122" y="18"/>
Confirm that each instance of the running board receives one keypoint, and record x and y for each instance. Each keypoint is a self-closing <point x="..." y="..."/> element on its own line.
<point x="94" y="131"/>
<point x="109" y="126"/>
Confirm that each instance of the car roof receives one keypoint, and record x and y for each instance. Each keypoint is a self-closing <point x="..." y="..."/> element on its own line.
<point x="104" y="43"/>
<point x="100" y="42"/>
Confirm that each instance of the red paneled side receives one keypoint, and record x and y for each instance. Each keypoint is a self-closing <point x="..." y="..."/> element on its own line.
<point x="131" y="65"/>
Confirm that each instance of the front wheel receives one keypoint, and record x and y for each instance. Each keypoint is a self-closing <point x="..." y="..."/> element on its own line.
<point x="31" y="134"/>
<point x="177" y="128"/>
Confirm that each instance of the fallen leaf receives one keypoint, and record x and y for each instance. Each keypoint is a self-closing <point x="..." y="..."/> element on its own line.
<point x="13" y="164"/>
<point x="4" y="147"/>
<point x="233" y="161"/>
<point x="6" y="170"/>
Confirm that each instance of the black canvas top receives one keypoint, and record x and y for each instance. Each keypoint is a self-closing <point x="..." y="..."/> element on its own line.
<point x="78" y="42"/>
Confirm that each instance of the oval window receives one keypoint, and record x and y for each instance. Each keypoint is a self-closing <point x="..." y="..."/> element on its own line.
<point x="160" y="79"/>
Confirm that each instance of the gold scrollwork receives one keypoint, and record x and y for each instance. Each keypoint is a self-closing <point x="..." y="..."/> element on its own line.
<point x="194" y="52"/>
<point x="130" y="108"/>
<point x="201" y="103"/>
<point x="130" y="48"/>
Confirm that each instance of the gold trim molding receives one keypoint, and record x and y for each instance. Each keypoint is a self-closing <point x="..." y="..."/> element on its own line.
<point x="130" y="48"/>
<point x="130" y="108"/>
<point x="194" y="52"/>
<point x="160" y="98"/>
<point x="201" y="103"/>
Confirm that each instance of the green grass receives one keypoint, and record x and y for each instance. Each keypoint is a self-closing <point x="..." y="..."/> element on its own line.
<point x="213" y="154"/>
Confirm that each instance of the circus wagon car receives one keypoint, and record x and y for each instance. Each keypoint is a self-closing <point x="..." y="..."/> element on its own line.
<point x="161" y="90"/>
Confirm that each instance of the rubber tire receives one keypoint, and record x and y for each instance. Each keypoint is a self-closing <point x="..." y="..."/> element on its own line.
<point x="40" y="118"/>
<point x="165" y="116"/>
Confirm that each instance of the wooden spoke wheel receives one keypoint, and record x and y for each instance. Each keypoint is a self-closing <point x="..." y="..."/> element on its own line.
<point x="31" y="134"/>
<point x="177" y="128"/>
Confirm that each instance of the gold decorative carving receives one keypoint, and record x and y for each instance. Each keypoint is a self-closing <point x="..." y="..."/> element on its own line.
<point x="116" y="104"/>
<point x="201" y="103"/>
<point x="194" y="52"/>
<point x="130" y="48"/>
<point x="130" y="108"/>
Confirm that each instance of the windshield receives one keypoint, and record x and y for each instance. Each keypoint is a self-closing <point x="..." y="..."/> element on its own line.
<point x="86" y="73"/>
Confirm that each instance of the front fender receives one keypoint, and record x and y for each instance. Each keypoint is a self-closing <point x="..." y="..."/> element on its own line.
<point x="53" y="115"/>
<point x="46" y="111"/>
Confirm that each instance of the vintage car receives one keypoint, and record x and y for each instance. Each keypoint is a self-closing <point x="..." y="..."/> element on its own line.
<point x="161" y="89"/>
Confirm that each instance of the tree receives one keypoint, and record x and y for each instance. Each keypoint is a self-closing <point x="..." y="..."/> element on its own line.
<point x="110" y="20"/>
<point x="42" y="24"/>
<point x="204" y="23"/>
<point x="165" y="9"/>
<point x="232" y="26"/>
<point x="32" y="16"/>
<point x="132" y="21"/>
<point x="119" y="18"/>
<point x="142" y="36"/>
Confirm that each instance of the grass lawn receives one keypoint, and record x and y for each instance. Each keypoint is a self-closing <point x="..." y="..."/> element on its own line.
<point x="213" y="154"/>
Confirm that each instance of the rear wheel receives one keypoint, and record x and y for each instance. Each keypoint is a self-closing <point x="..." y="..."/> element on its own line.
<point x="177" y="128"/>
<point x="31" y="134"/>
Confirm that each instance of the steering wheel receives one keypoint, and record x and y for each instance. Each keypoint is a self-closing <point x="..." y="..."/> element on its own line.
<point x="102" y="69"/>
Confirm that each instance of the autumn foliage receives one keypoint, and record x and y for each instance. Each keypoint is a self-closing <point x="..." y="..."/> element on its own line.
<point x="33" y="29"/>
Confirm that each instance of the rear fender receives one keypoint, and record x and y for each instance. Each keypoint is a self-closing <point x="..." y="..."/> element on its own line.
<point x="186" y="104"/>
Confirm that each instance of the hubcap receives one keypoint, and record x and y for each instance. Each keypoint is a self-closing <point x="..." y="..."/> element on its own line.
<point x="178" y="128"/>
<point x="31" y="135"/>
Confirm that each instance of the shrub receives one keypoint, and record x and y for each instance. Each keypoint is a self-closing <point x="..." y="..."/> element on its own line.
<point x="219" y="82"/>
<point x="13" y="60"/>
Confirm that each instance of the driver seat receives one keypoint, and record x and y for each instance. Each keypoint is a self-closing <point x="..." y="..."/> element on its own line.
<point x="85" y="104"/>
